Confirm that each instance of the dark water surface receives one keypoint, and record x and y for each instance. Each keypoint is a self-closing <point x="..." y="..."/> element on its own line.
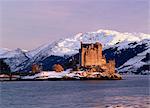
<point x="132" y="92"/>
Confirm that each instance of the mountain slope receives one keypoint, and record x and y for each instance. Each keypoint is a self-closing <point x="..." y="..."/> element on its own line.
<point x="71" y="45"/>
<point x="14" y="58"/>
<point x="3" y="50"/>
<point x="116" y="45"/>
<point x="136" y="63"/>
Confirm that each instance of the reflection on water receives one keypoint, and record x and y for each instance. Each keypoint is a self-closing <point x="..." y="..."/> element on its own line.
<point x="127" y="102"/>
<point x="132" y="92"/>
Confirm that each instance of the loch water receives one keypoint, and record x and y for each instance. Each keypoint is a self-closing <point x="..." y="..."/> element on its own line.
<point x="131" y="92"/>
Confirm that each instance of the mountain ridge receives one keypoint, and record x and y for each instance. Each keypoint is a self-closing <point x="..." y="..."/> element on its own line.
<point x="70" y="46"/>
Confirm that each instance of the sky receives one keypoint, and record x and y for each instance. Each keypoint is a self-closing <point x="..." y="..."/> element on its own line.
<point x="27" y="24"/>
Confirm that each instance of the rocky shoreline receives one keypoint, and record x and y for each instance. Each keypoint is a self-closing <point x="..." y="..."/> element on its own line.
<point x="64" y="77"/>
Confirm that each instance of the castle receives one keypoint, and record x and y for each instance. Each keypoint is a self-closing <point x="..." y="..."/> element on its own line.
<point x="91" y="56"/>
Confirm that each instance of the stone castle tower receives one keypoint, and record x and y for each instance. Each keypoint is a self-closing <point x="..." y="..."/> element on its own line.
<point x="91" y="55"/>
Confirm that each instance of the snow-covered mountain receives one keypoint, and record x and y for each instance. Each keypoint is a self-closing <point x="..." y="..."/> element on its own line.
<point x="4" y="50"/>
<point x="116" y="43"/>
<point x="130" y="57"/>
<point x="14" y="58"/>
<point x="136" y="63"/>
<point x="71" y="45"/>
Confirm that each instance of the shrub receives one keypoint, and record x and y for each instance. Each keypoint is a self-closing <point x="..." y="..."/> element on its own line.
<point x="58" y="68"/>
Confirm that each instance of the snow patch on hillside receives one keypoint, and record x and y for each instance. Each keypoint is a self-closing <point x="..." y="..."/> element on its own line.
<point x="134" y="63"/>
<point x="13" y="53"/>
<point x="46" y="75"/>
<point x="4" y="50"/>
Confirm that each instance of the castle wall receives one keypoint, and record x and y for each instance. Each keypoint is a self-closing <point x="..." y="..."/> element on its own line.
<point x="111" y="66"/>
<point x="91" y="54"/>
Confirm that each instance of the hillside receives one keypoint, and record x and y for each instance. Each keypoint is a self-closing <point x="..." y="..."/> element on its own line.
<point x="130" y="50"/>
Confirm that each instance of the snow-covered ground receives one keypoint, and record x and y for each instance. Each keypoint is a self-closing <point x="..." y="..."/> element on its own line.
<point x="47" y="74"/>
<point x="68" y="74"/>
<point x="54" y="74"/>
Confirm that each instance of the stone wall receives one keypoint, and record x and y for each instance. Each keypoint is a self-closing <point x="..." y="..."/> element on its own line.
<point x="91" y="56"/>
